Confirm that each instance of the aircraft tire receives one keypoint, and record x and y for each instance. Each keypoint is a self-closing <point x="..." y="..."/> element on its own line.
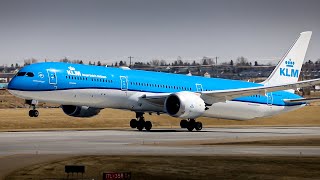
<point x="190" y="126"/>
<point x="183" y="123"/>
<point x="35" y="113"/>
<point x="198" y="126"/>
<point x="31" y="113"/>
<point x="148" y="125"/>
<point x="140" y="125"/>
<point x="133" y="123"/>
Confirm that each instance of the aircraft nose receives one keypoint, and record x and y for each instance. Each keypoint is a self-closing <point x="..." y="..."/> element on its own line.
<point x="13" y="84"/>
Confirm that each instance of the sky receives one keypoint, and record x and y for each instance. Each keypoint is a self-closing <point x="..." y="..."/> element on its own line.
<point x="112" y="30"/>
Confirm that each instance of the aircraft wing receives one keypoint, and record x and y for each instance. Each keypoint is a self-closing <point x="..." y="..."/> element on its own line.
<point x="211" y="97"/>
<point x="222" y="95"/>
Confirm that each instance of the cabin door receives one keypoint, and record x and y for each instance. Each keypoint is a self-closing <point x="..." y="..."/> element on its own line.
<point x="199" y="87"/>
<point x="52" y="75"/>
<point x="269" y="99"/>
<point x="124" y="83"/>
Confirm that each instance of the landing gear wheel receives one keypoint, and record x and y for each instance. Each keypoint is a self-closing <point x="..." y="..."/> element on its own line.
<point x="31" y="113"/>
<point x="141" y="124"/>
<point x="35" y="113"/>
<point x="191" y="124"/>
<point x="148" y="125"/>
<point x="198" y="126"/>
<point x="190" y="127"/>
<point x="183" y="123"/>
<point x="133" y="123"/>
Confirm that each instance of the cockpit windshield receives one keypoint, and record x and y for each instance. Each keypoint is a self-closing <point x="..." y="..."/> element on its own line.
<point x="21" y="73"/>
<point x="28" y="74"/>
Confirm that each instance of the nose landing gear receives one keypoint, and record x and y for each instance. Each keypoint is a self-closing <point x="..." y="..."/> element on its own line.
<point x="33" y="112"/>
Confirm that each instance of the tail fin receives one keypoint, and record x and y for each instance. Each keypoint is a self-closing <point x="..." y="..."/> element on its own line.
<point x="289" y="67"/>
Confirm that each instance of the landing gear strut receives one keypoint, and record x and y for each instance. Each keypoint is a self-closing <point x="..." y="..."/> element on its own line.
<point x="191" y="124"/>
<point x="140" y="123"/>
<point x="33" y="112"/>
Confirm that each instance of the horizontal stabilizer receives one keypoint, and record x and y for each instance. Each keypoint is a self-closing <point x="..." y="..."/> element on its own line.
<point x="302" y="100"/>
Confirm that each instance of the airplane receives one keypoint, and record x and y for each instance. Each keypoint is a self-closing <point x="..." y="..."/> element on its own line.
<point x="83" y="90"/>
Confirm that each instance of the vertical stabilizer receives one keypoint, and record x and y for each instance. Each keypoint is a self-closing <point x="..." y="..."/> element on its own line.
<point x="289" y="67"/>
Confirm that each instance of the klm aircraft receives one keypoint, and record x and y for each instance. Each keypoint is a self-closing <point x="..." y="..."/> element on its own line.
<point x="84" y="90"/>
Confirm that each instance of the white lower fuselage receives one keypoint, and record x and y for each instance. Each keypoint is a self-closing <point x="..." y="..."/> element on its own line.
<point x="130" y="100"/>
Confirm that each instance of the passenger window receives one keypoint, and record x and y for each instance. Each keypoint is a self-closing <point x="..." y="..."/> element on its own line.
<point x="21" y="73"/>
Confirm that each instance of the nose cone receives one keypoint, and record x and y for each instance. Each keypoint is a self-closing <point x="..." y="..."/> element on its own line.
<point x="14" y="84"/>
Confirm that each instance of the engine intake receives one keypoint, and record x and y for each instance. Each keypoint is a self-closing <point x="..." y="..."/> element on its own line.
<point x="184" y="105"/>
<point x="80" y="111"/>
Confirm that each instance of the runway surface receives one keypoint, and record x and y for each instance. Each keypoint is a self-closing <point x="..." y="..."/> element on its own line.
<point x="118" y="142"/>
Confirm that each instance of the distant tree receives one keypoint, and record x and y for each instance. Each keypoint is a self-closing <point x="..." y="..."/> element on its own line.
<point x="163" y="63"/>
<point x="81" y="62"/>
<point x="65" y="60"/>
<point x="116" y="64"/>
<point x="155" y="62"/>
<point x="90" y="63"/>
<point x="231" y="62"/>
<point x="121" y="63"/>
<point x="30" y="61"/>
<point x="33" y="60"/>
<point x="26" y="62"/>
<point x="256" y="63"/>
<point x="98" y="63"/>
<point x="242" y="61"/>
<point x="17" y="66"/>
<point x="309" y="62"/>
<point x="12" y="66"/>
<point x="204" y="62"/>
<point x="207" y="61"/>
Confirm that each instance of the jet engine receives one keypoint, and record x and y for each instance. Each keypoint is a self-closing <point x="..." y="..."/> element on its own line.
<point x="80" y="111"/>
<point x="184" y="105"/>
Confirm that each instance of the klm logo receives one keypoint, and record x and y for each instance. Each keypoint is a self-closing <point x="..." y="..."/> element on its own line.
<point x="289" y="71"/>
<point x="72" y="71"/>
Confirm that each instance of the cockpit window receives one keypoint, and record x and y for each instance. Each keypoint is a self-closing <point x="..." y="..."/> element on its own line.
<point x="30" y="74"/>
<point x="21" y="73"/>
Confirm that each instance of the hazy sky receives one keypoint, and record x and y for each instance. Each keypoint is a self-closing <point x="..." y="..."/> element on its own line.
<point x="112" y="30"/>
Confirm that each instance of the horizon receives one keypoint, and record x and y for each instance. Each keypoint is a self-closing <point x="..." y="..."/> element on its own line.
<point x="110" y="31"/>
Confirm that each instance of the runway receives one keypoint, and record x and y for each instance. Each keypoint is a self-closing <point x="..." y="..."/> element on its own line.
<point x="158" y="141"/>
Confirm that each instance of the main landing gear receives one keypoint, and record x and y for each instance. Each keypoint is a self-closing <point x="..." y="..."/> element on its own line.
<point x="140" y="123"/>
<point x="33" y="112"/>
<point x="191" y="124"/>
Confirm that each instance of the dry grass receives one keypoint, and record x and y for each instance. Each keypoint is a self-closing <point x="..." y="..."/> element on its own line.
<point x="181" y="167"/>
<point x="54" y="118"/>
<point x="15" y="118"/>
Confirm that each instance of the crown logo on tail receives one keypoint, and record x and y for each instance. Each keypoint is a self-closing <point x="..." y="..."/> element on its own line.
<point x="289" y="63"/>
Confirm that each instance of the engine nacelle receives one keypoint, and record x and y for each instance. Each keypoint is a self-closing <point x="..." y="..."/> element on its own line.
<point x="184" y="105"/>
<point x="80" y="111"/>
